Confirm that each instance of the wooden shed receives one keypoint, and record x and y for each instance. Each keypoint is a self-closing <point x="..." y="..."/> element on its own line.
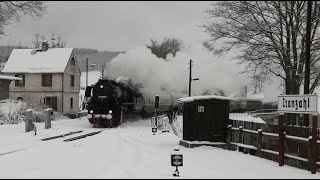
<point x="205" y="118"/>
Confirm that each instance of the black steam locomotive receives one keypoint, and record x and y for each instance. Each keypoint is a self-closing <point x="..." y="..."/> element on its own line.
<point x="110" y="100"/>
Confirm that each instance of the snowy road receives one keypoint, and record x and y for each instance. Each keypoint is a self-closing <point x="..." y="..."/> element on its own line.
<point x="129" y="151"/>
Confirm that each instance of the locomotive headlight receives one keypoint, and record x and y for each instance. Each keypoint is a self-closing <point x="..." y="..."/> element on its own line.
<point x="109" y="116"/>
<point x="89" y="116"/>
<point x="91" y="111"/>
<point x="110" y="111"/>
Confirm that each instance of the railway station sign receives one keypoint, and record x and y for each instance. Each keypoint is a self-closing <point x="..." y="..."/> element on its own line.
<point x="176" y="160"/>
<point x="301" y="104"/>
<point x="154" y="129"/>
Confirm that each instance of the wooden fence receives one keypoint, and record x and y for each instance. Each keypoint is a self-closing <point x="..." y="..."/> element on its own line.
<point x="263" y="140"/>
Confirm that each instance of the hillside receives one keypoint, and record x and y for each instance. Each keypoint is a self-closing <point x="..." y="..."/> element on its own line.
<point x="95" y="57"/>
<point x="5" y="52"/>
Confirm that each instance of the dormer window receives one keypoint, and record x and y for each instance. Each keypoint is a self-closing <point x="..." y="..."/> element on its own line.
<point x="73" y="62"/>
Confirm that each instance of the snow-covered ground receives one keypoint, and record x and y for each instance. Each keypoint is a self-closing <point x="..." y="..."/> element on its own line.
<point x="129" y="151"/>
<point x="245" y="117"/>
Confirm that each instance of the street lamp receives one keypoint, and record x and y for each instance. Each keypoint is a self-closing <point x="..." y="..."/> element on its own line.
<point x="91" y="65"/>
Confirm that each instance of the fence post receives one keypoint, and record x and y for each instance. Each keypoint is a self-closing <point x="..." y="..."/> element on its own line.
<point x="310" y="152"/>
<point x="229" y="137"/>
<point x="240" y="141"/>
<point x="259" y="143"/>
<point x="281" y="140"/>
<point x="314" y="149"/>
<point x="28" y="120"/>
<point x="48" y="117"/>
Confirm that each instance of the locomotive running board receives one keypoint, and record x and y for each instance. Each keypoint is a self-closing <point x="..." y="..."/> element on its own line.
<point x="60" y="136"/>
<point x="82" y="136"/>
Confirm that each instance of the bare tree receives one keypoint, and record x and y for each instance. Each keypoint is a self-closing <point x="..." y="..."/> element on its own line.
<point x="14" y="10"/>
<point x="220" y="92"/>
<point x="53" y="44"/>
<point x="167" y="46"/>
<point x="244" y="91"/>
<point x="271" y="36"/>
<point x="60" y="44"/>
<point x="36" y="42"/>
<point x="206" y="91"/>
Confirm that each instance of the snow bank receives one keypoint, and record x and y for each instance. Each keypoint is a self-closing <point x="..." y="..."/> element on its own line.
<point x="127" y="152"/>
<point x="238" y="117"/>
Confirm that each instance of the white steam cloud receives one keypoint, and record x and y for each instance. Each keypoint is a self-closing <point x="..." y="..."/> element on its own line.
<point x="141" y="66"/>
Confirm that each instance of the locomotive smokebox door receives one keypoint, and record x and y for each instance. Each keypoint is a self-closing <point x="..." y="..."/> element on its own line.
<point x="156" y="102"/>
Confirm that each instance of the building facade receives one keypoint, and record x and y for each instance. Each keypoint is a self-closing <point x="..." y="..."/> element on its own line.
<point x="49" y="77"/>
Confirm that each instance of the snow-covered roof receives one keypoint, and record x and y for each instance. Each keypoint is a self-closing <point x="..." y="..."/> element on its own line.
<point x="206" y="97"/>
<point x="10" y="78"/>
<point x="54" y="60"/>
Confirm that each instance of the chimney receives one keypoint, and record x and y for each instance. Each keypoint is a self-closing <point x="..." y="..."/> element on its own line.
<point x="45" y="46"/>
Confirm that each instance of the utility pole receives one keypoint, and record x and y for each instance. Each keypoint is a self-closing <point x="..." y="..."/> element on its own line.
<point x="190" y="78"/>
<point x="307" y="67"/>
<point x="87" y="66"/>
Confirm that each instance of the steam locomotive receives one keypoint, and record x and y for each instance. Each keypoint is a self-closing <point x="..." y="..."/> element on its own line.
<point x="109" y="101"/>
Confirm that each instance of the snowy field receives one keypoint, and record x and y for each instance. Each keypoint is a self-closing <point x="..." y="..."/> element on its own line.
<point x="129" y="151"/>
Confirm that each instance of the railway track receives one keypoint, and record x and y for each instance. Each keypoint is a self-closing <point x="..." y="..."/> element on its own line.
<point x="60" y="136"/>
<point x="73" y="138"/>
<point x="82" y="136"/>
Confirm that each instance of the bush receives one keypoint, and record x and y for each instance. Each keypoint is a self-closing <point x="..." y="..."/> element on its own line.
<point x="38" y="113"/>
<point x="11" y="112"/>
<point x="14" y="112"/>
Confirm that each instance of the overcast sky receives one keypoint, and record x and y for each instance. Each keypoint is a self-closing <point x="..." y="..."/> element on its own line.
<point x="122" y="26"/>
<point x="113" y="25"/>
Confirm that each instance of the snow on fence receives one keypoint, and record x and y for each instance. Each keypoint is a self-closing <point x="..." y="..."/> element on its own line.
<point x="177" y="125"/>
<point x="263" y="140"/>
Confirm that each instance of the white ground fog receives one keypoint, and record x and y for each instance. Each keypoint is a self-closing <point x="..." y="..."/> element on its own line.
<point x="129" y="151"/>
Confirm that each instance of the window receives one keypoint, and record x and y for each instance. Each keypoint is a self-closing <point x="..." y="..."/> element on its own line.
<point x="72" y="80"/>
<point x="52" y="102"/>
<point x="71" y="103"/>
<point x="73" y="62"/>
<point x="20" y="83"/>
<point x="46" y="80"/>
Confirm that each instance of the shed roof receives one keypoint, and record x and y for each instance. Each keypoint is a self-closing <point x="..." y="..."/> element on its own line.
<point x="206" y="97"/>
<point x="54" y="60"/>
<point x="10" y="78"/>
